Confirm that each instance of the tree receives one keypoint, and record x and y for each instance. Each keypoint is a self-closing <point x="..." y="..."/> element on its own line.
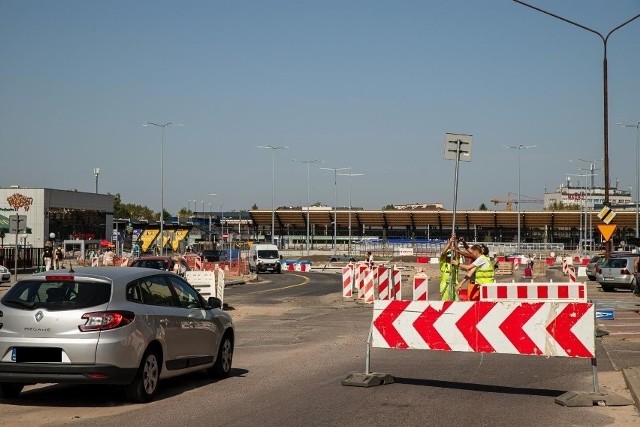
<point x="389" y="208"/>
<point x="560" y="206"/>
<point x="133" y="211"/>
<point x="483" y="207"/>
<point x="254" y="207"/>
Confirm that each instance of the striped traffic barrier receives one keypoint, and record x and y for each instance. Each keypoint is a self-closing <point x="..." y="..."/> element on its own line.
<point x="198" y="263"/>
<point x="382" y="273"/>
<point x="572" y="274"/>
<point x="420" y="287"/>
<point x="530" y="292"/>
<point x="94" y="261"/>
<point x="516" y="263"/>
<point x="360" y="274"/>
<point x="347" y="281"/>
<point x="124" y="262"/>
<point x="396" y="280"/>
<point x="368" y="286"/>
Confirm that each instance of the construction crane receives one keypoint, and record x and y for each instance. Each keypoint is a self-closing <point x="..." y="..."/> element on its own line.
<point x="510" y="201"/>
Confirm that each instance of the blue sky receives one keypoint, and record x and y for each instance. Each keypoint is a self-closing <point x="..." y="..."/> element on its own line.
<point x="371" y="85"/>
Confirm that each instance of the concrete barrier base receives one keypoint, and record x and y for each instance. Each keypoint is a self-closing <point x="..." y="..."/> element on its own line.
<point x="576" y="399"/>
<point x="367" y="380"/>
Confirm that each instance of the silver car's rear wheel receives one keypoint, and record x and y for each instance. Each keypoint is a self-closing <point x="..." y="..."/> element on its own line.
<point x="145" y="383"/>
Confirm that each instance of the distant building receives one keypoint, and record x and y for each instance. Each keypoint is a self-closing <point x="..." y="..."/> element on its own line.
<point x="70" y="215"/>
<point x="420" y="207"/>
<point x="591" y="197"/>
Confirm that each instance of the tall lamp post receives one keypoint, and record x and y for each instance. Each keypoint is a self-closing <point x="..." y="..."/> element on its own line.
<point x="350" y="175"/>
<point x="637" y="126"/>
<point x="590" y="204"/>
<point x="335" y="205"/>
<point x="604" y="92"/>
<point x="308" y="163"/>
<point x="211" y="195"/>
<point x="519" y="148"/>
<point x="96" y="173"/>
<point x="162" y="127"/>
<point x="273" y="149"/>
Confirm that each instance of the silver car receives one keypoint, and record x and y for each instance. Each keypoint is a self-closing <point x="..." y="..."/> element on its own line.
<point x="617" y="272"/>
<point x="110" y="325"/>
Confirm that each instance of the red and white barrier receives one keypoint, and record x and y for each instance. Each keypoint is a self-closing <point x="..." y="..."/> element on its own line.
<point x="124" y="262"/>
<point x="368" y="286"/>
<point x="94" y="261"/>
<point x="540" y="328"/>
<point x="360" y="274"/>
<point x="382" y="274"/>
<point x="565" y="292"/>
<point x="303" y="267"/>
<point x="198" y="263"/>
<point x="572" y="274"/>
<point x="396" y="280"/>
<point x="347" y="281"/>
<point x="420" y="287"/>
<point x="516" y="263"/>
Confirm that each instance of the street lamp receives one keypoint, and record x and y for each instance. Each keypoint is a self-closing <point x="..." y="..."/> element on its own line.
<point x="583" y="226"/>
<point x="273" y="149"/>
<point x="335" y="206"/>
<point x="350" y="175"/>
<point x="96" y="173"/>
<point x="637" y="126"/>
<point x="590" y="203"/>
<point x="162" y="126"/>
<point x="307" y="162"/>
<point x="605" y="96"/>
<point x="211" y="195"/>
<point x="519" y="148"/>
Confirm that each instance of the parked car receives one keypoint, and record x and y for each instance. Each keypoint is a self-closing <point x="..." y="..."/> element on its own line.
<point x="593" y="264"/>
<point x="159" y="263"/>
<point x="110" y="325"/>
<point x="342" y="258"/>
<point x="210" y="255"/>
<point x="5" y="274"/>
<point x="617" y="272"/>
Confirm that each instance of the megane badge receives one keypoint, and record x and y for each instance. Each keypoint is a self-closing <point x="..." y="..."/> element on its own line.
<point x="39" y="316"/>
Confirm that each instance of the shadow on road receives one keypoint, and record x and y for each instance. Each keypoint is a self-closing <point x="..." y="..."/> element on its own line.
<point x="480" y="387"/>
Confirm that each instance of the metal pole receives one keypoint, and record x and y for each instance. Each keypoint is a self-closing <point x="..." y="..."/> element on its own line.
<point x="335" y="211"/>
<point x="273" y="194"/>
<point x="453" y="220"/>
<point x="518" y="249"/>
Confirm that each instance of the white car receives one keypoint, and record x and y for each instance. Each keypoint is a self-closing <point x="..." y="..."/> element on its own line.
<point x="5" y="274"/>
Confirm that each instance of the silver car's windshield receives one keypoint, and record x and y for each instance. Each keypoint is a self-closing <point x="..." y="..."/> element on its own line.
<point x="57" y="295"/>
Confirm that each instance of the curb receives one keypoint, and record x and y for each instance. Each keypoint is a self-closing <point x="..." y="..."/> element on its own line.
<point x="632" y="378"/>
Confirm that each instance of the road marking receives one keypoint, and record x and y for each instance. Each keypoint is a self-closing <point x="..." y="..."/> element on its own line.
<point x="304" y="282"/>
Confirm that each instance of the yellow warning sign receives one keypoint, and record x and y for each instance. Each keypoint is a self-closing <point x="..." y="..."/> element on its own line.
<point x="606" y="230"/>
<point x="606" y="214"/>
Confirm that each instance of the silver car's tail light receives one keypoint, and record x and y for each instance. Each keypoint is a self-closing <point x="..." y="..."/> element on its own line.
<point x="105" y="320"/>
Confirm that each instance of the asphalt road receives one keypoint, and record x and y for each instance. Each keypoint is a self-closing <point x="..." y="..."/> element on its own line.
<point x="297" y="338"/>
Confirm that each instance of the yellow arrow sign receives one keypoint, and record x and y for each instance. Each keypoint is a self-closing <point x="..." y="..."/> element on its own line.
<point x="606" y="230"/>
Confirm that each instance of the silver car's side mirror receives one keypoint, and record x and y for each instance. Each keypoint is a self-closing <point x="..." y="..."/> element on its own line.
<point x="214" y="302"/>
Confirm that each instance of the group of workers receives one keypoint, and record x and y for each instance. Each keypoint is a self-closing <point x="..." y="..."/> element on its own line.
<point x="478" y="272"/>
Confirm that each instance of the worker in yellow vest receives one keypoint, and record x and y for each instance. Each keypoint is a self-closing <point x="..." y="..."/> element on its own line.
<point x="446" y="271"/>
<point x="481" y="270"/>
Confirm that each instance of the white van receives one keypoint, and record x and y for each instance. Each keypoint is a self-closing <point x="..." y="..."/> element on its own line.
<point x="264" y="257"/>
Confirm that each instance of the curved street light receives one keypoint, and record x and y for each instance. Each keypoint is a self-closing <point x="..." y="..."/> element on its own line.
<point x="519" y="148"/>
<point x="604" y="92"/>
<point x="335" y="206"/>
<point x="308" y="163"/>
<point x="162" y="127"/>
<point x="273" y="149"/>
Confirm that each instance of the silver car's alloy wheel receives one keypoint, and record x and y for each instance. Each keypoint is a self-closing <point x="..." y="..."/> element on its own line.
<point x="227" y="355"/>
<point x="150" y="374"/>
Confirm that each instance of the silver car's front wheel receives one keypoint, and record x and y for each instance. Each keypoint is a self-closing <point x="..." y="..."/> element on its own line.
<point x="144" y="385"/>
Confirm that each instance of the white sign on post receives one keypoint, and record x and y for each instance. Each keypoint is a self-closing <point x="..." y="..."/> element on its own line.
<point x="455" y="142"/>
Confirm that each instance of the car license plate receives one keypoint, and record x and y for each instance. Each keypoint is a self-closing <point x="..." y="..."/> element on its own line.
<point x="608" y="279"/>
